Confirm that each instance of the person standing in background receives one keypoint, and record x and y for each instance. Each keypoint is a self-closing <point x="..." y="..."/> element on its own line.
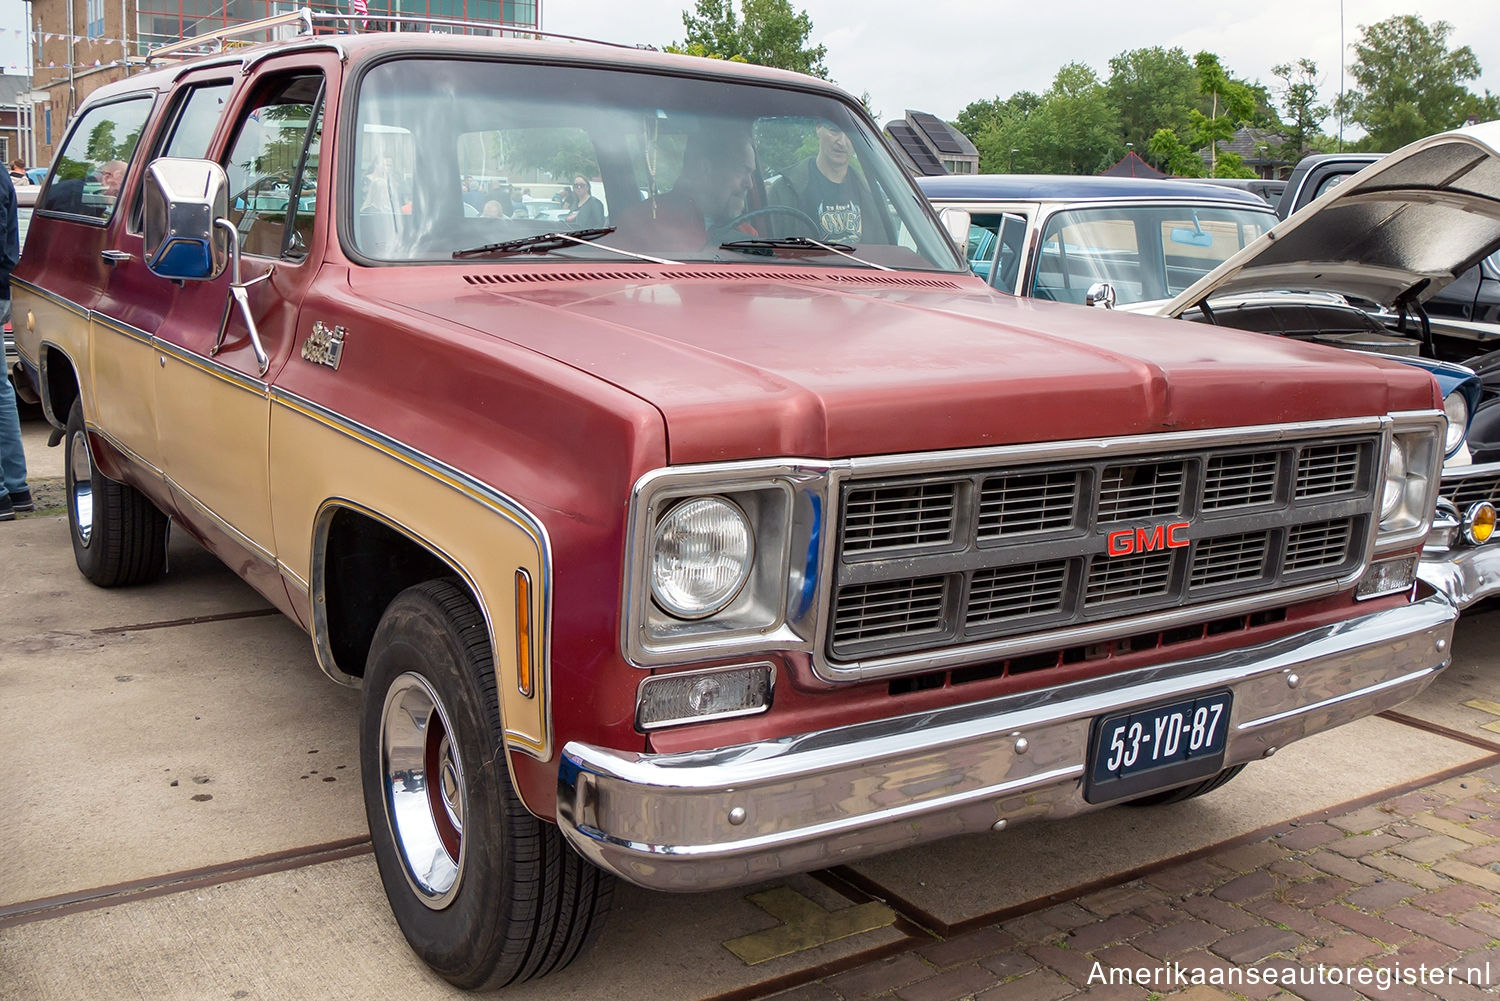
<point x="15" y="495"/>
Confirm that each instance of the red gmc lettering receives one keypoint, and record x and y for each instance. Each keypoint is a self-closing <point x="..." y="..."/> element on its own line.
<point x="1145" y="540"/>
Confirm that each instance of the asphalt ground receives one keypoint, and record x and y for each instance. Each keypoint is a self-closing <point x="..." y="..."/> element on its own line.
<point x="183" y="820"/>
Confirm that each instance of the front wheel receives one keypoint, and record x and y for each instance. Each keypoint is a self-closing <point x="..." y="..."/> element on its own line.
<point x="119" y="536"/>
<point x="485" y="893"/>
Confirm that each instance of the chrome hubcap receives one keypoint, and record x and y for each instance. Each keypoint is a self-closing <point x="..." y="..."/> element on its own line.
<point x="82" y="499"/>
<point x="424" y="782"/>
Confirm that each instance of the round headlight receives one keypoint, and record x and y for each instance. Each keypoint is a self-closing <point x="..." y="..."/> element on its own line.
<point x="701" y="558"/>
<point x="1457" y="409"/>
<point x="1395" y="480"/>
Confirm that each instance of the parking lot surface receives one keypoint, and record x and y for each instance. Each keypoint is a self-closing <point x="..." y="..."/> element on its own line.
<point x="184" y="820"/>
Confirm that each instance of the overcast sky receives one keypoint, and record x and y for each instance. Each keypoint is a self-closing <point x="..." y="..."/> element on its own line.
<point x="938" y="56"/>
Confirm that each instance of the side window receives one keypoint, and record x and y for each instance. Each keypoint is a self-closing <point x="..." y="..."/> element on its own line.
<point x="86" y="178"/>
<point x="189" y="128"/>
<point x="194" y="121"/>
<point x="274" y="148"/>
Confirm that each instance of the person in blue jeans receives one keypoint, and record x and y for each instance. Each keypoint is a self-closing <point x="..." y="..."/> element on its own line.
<point x="16" y="496"/>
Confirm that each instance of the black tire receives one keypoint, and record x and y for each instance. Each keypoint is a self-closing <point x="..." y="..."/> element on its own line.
<point x="513" y="900"/>
<point x="1188" y="791"/>
<point x="119" y="536"/>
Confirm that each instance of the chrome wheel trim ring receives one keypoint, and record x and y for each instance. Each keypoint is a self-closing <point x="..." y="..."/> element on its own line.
<point x="81" y="498"/>
<point x="424" y="789"/>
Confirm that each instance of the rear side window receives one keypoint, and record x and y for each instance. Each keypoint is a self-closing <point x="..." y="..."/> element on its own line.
<point x="89" y="171"/>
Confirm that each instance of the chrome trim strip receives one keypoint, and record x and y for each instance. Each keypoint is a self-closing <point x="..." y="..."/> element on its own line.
<point x="734" y="815"/>
<point x="123" y="329"/>
<point x="477" y="490"/>
<point x="252" y="547"/>
<point x="293" y="578"/>
<point x="115" y="444"/>
<point x="51" y="297"/>
<point x="216" y="369"/>
<point x="1336" y="700"/>
<point x="1057" y="451"/>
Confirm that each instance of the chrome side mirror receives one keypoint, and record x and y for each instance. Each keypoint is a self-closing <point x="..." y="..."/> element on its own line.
<point x="183" y="199"/>
<point x="1100" y="295"/>
<point x="956" y="223"/>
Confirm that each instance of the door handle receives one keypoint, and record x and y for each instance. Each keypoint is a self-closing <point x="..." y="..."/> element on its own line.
<point x="113" y="257"/>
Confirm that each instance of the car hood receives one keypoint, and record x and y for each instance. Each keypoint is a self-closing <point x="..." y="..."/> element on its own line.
<point x="1405" y="226"/>
<point x="744" y="363"/>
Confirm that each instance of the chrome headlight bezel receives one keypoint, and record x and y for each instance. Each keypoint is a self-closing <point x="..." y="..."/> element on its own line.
<point x="783" y="504"/>
<point x="1410" y="469"/>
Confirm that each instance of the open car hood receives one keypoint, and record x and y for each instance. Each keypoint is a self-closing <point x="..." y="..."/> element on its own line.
<point x="1402" y="228"/>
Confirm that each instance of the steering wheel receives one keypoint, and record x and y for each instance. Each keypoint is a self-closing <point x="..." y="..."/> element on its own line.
<point x="790" y="210"/>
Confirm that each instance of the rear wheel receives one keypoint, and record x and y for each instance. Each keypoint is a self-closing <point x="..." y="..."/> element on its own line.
<point x="119" y="536"/>
<point x="484" y="892"/>
<point x="1188" y="791"/>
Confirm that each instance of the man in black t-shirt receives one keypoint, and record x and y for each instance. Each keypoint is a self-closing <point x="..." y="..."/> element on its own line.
<point x="831" y="192"/>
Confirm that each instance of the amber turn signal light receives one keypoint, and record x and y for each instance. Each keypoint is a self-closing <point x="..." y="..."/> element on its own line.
<point x="1479" y="522"/>
<point x="523" y="634"/>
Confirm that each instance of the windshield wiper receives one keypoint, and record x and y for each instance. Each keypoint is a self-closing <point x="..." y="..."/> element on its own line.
<point x="537" y="243"/>
<point x="800" y="243"/>
<point x="785" y="243"/>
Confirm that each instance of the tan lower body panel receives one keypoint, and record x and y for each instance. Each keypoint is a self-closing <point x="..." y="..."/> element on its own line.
<point x="319" y="460"/>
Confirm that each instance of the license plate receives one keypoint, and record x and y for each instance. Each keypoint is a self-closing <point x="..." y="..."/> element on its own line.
<point x="1143" y="750"/>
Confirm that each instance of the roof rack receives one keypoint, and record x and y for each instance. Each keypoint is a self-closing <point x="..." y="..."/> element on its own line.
<point x="308" y="21"/>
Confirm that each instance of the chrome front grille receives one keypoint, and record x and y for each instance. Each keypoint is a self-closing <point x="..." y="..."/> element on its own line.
<point x="931" y="561"/>
<point x="1470" y="485"/>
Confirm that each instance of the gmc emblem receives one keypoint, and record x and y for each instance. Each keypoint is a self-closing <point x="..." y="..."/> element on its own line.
<point x="1144" y="540"/>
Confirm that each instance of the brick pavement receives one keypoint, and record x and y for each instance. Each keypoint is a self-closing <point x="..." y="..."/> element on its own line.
<point x="1406" y="890"/>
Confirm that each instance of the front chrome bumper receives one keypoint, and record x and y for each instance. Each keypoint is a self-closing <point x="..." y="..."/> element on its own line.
<point x="735" y="815"/>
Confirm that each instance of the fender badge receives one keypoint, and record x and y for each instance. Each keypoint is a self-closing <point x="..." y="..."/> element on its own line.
<point x="325" y="345"/>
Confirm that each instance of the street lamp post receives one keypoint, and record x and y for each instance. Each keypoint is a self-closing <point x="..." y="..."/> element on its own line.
<point x="1010" y="166"/>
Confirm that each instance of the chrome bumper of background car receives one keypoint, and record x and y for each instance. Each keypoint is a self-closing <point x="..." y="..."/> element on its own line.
<point x="735" y="815"/>
<point x="1464" y="575"/>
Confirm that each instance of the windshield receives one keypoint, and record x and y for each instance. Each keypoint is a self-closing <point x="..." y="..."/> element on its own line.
<point x="1146" y="252"/>
<point x="453" y="157"/>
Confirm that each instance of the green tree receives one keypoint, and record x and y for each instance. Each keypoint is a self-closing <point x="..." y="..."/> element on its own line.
<point x="1304" y="115"/>
<point x="1074" y="129"/>
<point x="996" y="127"/>
<point x="1151" y="89"/>
<point x="766" y="32"/>
<point x="1408" y="83"/>
<point x="1174" y="156"/>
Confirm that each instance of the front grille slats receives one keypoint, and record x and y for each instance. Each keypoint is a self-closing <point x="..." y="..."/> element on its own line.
<point x="1310" y="547"/>
<point x="1240" y="480"/>
<point x="1141" y="491"/>
<point x="900" y="517"/>
<point x="1015" y="505"/>
<point x="1128" y="577"/>
<point x="1015" y="592"/>
<point x="1466" y="490"/>
<point x="1323" y="470"/>
<point x="925" y="563"/>
<point x="885" y="610"/>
